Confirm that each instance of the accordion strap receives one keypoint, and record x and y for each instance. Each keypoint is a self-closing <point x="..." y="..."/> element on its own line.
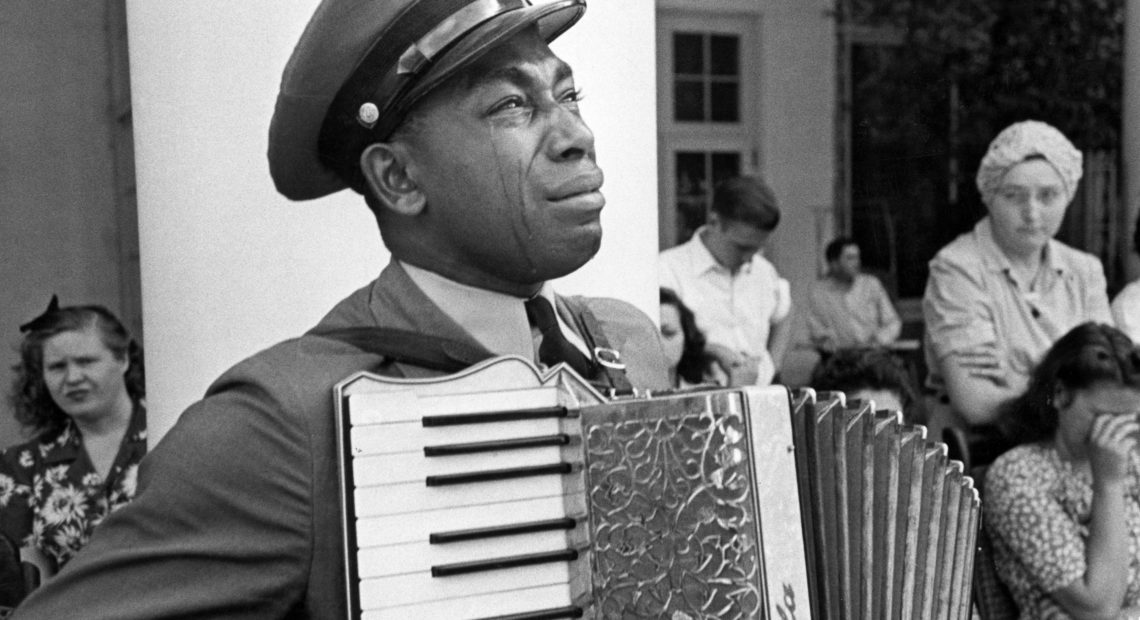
<point x="612" y="373"/>
<point x="451" y="356"/>
<point x="409" y="347"/>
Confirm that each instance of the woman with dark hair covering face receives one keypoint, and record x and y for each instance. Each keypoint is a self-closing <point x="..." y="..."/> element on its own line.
<point x="1063" y="508"/>
<point x="79" y="390"/>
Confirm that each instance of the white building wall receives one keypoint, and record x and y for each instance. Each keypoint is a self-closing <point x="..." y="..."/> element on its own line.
<point x="59" y="224"/>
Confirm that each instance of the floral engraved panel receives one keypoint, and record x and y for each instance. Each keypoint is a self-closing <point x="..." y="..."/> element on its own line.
<point x="672" y="511"/>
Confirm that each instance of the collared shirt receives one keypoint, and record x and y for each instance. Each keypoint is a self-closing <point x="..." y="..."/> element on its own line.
<point x="974" y="299"/>
<point x="496" y="320"/>
<point x="1038" y="508"/>
<point x="1126" y="310"/>
<point x="52" y="498"/>
<point x="843" y="316"/>
<point x="735" y="310"/>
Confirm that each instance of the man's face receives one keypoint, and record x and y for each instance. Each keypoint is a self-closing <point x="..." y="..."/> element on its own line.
<point x="732" y="242"/>
<point x="507" y="167"/>
<point x="849" y="262"/>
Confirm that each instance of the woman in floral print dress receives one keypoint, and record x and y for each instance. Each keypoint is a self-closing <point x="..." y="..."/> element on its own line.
<point x="1063" y="508"/>
<point x="79" y="390"/>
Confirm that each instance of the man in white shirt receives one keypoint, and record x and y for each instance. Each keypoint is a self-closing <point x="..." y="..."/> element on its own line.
<point x="740" y="302"/>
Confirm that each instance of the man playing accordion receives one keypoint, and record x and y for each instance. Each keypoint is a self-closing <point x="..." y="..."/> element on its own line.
<point x="461" y="130"/>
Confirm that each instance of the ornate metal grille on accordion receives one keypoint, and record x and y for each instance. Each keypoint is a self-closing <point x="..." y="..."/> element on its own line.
<point x="509" y="493"/>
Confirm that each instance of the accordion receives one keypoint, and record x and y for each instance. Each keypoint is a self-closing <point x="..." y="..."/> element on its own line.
<point x="509" y="493"/>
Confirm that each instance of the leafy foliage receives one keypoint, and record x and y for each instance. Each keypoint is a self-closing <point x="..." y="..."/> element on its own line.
<point x="925" y="105"/>
<point x="1054" y="60"/>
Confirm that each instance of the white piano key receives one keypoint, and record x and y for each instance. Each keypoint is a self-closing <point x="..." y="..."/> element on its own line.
<point x="416" y="497"/>
<point x="400" y="528"/>
<point x="421" y="556"/>
<point x="378" y="408"/>
<point x="409" y="436"/>
<point x="415" y="467"/>
<point x="411" y="588"/>
<point x="479" y="606"/>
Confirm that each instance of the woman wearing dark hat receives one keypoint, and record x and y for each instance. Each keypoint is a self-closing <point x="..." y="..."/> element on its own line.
<point x="79" y="390"/>
<point x="1000" y="295"/>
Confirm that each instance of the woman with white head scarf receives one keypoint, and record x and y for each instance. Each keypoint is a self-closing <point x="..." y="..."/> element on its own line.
<point x="1000" y="295"/>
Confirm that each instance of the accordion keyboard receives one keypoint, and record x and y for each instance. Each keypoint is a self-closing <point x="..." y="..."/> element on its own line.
<point x="466" y="505"/>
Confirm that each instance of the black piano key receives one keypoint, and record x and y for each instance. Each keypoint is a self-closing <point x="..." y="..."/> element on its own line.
<point x="498" y="474"/>
<point x="440" y="538"/>
<point x="514" y="561"/>
<point x="560" y="439"/>
<point x="494" y="416"/>
<point x="543" y="614"/>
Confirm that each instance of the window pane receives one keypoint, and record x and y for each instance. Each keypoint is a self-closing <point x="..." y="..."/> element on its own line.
<point x="725" y="165"/>
<point x="693" y="193"/>
<point x="726" y="102"/>
<point x="687" y="54"/>
<point x="725" y="55"/>
<point x="688" y="100"/>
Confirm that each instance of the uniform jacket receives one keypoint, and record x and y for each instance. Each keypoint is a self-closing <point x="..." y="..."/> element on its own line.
<point x="238" y="513"/>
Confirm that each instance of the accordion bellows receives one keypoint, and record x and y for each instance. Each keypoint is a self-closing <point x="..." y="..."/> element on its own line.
<point x="508" y="493"/>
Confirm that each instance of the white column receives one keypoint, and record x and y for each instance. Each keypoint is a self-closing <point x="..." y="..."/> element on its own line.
<point x="230" y="267"/>
<point x="798" y="139"/>
<point x="1130" y="135"/>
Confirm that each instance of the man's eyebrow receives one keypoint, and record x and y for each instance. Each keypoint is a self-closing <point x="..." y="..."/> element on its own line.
<point x="515" y="74"/>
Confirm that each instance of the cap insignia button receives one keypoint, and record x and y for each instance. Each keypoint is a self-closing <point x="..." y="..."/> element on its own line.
<point x="368" y="114"/>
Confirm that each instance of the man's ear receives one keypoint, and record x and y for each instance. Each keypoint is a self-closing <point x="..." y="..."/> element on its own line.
<point x="385" y="168"/>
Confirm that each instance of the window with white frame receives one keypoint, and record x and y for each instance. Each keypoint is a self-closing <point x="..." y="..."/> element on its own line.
<point x="707" y="113"/>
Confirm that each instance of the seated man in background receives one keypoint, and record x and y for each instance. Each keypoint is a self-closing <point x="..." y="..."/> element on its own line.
<point x="869" y="375"/>
<point x="473" y="156"/>
<point x="741" y="303"/>
<point x="848" y="308"/>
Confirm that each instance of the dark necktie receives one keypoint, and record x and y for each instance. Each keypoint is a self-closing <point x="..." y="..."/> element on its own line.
<point x="555" y="347"/>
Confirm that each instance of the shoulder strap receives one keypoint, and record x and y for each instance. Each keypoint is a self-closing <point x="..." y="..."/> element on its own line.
<point x="601" y="353"/>
<point x="447" y="355"/>
<point x="409" y="347"/>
